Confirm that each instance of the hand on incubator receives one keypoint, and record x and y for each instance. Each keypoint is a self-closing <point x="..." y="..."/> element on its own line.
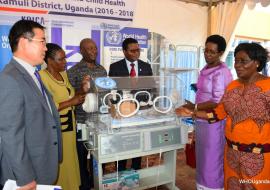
<point x="184" y="112"/>
<point x="85" y="85"/>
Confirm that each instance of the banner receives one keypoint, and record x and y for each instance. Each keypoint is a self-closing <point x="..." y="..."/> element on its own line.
<point x="113" y="44"/>
<point x="67" y="22"/>
<point x="5" y="51"/>
<point x="98" y="9"/>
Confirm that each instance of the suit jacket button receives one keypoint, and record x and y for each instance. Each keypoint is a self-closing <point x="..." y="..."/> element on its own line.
<point x="55" y="143"/>
<point x="54" y="127"/>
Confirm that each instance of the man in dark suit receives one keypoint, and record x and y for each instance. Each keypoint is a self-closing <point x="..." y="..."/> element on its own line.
<point x="122" y="68"/>
<point x="30" y="136"/>
<point x="131" y="66"/>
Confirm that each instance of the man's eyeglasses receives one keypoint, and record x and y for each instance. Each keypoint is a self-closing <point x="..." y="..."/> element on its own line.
<point x="42" y="41"/>
<point x="242" y="61"/>
<point x="210" y="52"/>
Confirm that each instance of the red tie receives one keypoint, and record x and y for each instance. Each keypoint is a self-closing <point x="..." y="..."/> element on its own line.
<point x="132" y="71"/>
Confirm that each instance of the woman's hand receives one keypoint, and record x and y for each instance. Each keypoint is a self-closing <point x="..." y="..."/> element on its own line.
<point x="77" y="99"/>
<point x="183" y="112"/>
<point x="85" y="85"/>
<point x="189" y="105"/>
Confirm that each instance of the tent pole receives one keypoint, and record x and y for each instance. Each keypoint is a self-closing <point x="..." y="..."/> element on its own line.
<point x="209" y="20"/>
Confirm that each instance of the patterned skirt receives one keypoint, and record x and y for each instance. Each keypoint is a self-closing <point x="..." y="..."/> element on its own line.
<point x="246" y="170"/>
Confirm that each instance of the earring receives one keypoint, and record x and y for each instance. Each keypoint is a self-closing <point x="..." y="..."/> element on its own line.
<point x="257" y="66"/>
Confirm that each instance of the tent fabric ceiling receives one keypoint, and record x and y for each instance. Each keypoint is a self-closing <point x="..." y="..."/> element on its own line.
<point x="209" y="3"/>
<point x="206" y="2"/>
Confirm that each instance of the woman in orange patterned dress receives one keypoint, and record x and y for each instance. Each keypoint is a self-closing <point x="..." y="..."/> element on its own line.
<point x="246" y="107"/>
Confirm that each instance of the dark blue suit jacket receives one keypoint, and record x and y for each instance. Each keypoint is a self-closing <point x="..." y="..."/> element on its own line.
<point x="119" y="69"/>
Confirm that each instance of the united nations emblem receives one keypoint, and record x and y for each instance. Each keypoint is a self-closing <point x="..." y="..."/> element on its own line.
<point x="113" y="37"/>
<point x="105" y="83"/>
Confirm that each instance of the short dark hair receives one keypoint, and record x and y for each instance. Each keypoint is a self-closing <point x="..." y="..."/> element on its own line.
<point x="128" y="41"/>
<point x="217" y="39"/>
<point x="51" y="51"/>
<point x="22" y="28"/>
<point x="255" y="52"/>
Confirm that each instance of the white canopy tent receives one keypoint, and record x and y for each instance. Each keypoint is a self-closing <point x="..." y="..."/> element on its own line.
<point x="187" y="17"/>
<point x="189" y="22"/>
<point x="208" y="3"/>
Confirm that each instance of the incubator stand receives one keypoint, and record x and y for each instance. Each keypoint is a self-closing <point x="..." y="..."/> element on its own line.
<point x="152" y="129"/>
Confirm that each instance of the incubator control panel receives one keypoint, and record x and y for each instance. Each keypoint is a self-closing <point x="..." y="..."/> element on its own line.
<point x="145" y="140"/>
